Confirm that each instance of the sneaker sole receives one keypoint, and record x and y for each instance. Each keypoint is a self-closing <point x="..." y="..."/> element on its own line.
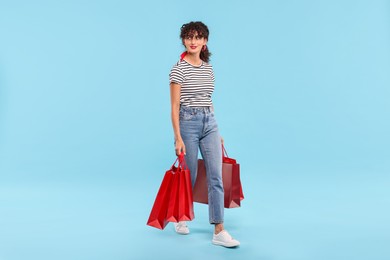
<point x="218" y="243"/>
<point x="182" y="233"/>
<point x="186" y="232"/>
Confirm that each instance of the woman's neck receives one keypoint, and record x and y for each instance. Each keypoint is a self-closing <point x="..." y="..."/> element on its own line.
<point x="193" y="59"/>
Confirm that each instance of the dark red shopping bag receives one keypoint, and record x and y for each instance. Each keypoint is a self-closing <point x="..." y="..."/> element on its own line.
<point x="200" y="191"/>
<point x="231" y="182"/>
<point x="233" y="167"/>
<point x="171" y="198"/>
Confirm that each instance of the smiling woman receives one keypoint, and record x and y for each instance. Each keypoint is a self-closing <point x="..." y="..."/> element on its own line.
<point x="195" y="35"/>
<point x="301" y="94"/>
<point x="194" y="124"/>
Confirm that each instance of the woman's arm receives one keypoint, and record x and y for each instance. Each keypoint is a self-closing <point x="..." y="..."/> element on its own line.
<point x="175" y="107"/>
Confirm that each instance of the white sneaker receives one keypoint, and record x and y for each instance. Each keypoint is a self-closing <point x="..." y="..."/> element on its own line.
<point x="223" y="238"/>
<point x="181" y="228"/>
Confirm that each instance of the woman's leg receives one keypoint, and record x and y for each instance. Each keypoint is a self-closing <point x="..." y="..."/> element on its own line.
<point x="211" y="150"/>
<point x="190" y="127"/>
<point x="190" y="131"/>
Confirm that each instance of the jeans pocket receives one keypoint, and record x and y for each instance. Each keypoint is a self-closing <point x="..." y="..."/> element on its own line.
<point x="186" y="115"/>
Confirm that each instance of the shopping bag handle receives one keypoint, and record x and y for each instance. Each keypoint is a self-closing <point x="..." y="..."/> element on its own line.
<point x="182" y="162"/>
<point x="225" y="156"/>
<point x="224" y="152"/>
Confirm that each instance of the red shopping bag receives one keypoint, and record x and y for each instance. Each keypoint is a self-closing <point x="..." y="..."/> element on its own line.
<point x="157" y="217"/>
<point x="181" y="207"/>
<point x="173" y="209"/>
<point x="186" y="205"/>
<point x="172" y="203"/>
<point x="233" y="193"/>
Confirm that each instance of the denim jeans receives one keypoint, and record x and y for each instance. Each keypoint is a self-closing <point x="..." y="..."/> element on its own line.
<point x="199" y="129"/>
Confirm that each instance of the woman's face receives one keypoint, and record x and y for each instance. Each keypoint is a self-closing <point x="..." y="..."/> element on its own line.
<point x="194" y="43"/>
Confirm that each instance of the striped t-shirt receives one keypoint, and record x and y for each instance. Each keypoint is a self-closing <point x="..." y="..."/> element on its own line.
<point x="197" y="83"/>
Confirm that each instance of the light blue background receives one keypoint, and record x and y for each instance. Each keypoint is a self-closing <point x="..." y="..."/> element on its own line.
<point x="302" y="100"/>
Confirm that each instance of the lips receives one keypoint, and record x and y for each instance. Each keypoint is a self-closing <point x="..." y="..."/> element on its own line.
<point x="193" y="47"/>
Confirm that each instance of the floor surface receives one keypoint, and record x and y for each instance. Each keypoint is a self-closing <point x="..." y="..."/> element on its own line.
<point x="281" y="218"/>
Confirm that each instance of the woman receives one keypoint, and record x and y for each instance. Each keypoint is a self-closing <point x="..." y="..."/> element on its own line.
<point x="194" y="125"/>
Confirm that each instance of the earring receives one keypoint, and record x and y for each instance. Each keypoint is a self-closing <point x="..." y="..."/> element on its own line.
<point x="204" y="47"/>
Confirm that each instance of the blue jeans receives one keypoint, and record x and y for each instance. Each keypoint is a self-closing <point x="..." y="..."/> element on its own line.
<point x="199" y="129"/>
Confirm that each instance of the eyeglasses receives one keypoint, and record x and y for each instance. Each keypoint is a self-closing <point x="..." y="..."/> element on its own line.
<point x="197" y="37"/>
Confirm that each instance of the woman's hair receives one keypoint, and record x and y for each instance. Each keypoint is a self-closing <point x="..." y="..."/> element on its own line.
<point x="189" y="29"/>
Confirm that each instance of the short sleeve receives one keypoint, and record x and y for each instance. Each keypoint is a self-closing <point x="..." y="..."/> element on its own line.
<point x="176" y="75"/>
<point x="212" y="74"/>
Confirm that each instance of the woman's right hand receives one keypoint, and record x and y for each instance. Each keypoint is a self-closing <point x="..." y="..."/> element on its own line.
<point x="180" y="147"/>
